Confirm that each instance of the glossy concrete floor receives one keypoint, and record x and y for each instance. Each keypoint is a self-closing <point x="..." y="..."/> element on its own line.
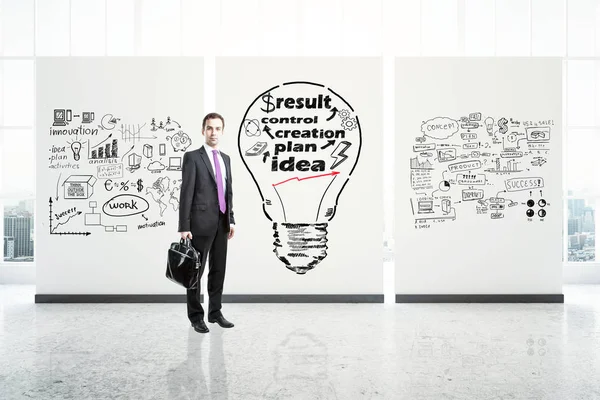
<point x="301" y="351"/>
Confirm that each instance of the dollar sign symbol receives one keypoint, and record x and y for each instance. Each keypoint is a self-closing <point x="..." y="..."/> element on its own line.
<point x="139" y="185"/>
<point x="502" y="124"/>
<point x="267" y="99"/>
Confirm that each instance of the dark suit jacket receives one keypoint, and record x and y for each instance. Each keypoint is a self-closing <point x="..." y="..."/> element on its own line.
<point x="198" y="198"/>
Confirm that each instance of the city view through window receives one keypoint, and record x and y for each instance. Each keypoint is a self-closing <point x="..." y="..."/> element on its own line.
<point x="18" y="231"/>
<point x="581" y="230"/>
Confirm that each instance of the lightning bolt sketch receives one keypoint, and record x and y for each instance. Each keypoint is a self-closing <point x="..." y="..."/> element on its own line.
<point x="338" y="153"/>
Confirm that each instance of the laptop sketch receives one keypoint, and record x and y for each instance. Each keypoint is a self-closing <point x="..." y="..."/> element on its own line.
<point x="174" y="164"/>
<point x="425" y="207"/>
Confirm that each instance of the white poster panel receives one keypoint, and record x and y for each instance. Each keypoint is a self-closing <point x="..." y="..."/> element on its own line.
<point x="305" y="136"/>
<point x="478" y="176"/>
<point x="111" y="134"/>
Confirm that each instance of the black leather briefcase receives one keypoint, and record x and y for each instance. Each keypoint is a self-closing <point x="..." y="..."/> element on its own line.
<point x="183" y="264"/>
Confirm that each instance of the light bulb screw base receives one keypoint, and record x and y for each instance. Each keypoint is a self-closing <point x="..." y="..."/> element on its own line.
<point x="300" y="246"/>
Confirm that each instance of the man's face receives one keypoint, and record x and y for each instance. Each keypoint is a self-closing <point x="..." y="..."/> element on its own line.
<point x="212" y="131"/>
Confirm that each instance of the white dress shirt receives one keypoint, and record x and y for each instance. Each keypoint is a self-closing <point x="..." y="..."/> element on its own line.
<point x="211" y="157"/>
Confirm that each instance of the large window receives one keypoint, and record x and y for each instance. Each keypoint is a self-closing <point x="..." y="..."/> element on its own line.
<point x="566" y="28"/>
<point x="17" y="142"/>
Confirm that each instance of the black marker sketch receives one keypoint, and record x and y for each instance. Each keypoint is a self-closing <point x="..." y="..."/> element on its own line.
<point x="338" y="153"/>
<point x="435" y="160"/>
<point x="151" y="225"/>
<point x="147" y="151"/>
<point x="57" y="183"/>
<point x="542" y="213"/>
<point x="439" y="128"/>
<point x="133" y="132"/>
<point x="95" y="219"/>
<point x="108" y="122"/>
<point x="511" y="166"/>
<point x="156" y="167"/>
<point x="524" y="183"/>
<point x="76" y="149"/>
<point x="134" y="161"/>
<point x="162" y="193"/>
<point x="106" y="151"/>
<point x="79" y="187"/>
<point x="444" y="186"/>
<point x="423" y="147"/>
<point x="62" y="117"/>
<point x="168" y="126"/>
<point x="251" y="127"/>
<point x="425" y="210"/>
<point x="538" y="133"/>
<point x="446" y="155"/>
<point x="139" y="185"/>
<point x="469" y="125"/>
<point x="502" y="125"/>
<point x="296" y="161"/>
<point x="122" y="186"/>
<point x="58" y="153"/>
<point x="64" y="222"/>
<point x="162" y="149"/>
<point x="425" y="207"/>
<point x="52" y="229"/>
<point x="174" y="164"/>
<point x="87" y="117"/>
<point x="110" y="171"/>
<point x="446" y="206"/>
<point x="265" y="156"/>
<point x="256" y="149"/>
<point x="125" y="205"/>
<point x="538" y="161"/>
<point x="180" y="141"/>
<point x="153" y="125"/>
<point x="415" y="164"/>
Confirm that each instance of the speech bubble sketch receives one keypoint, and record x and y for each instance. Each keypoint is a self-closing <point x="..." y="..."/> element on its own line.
<point x="439" y="128"/>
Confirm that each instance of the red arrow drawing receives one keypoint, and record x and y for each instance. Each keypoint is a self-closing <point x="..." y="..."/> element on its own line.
<point x="308" y="177"/>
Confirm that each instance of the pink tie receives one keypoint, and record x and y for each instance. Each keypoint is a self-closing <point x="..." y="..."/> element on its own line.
<point x="219" y="179"/>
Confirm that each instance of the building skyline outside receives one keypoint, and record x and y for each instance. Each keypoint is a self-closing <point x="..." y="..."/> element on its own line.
<point x="581" y="225"/>
<point x="18" y="232"/>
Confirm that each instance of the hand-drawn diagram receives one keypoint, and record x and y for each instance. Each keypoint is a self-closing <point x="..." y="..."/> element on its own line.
<point x="163" y="194"/>
<point x="79" y="186"/>
<point x="110" y="162"/>
<point x="108" y="122"/>
<point x="180" y="141"/>
<point x="300" y="140"/>
<point x="95" y="219"/>
<point x="168" y="126"/>
<point x="478" y="163"/>
<point x="53" y="228"/>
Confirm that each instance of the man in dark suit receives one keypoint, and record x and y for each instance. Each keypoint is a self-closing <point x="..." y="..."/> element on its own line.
<point x="206" y="217"/>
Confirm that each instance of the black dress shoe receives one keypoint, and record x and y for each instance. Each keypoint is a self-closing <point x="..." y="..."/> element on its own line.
<point x="200" y="327"/>
<point x="221" y="321"/>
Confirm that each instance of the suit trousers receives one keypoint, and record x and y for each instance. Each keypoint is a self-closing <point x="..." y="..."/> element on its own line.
<point x="215" y="248"/>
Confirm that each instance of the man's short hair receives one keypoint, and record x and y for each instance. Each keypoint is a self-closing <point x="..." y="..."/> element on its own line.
<point x="212" y="115"/>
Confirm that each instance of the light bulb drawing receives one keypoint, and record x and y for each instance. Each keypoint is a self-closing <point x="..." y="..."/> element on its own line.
<point x="489" y="125"/>
<point x="76" y="148"/>
<point x="300" y="142"/>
